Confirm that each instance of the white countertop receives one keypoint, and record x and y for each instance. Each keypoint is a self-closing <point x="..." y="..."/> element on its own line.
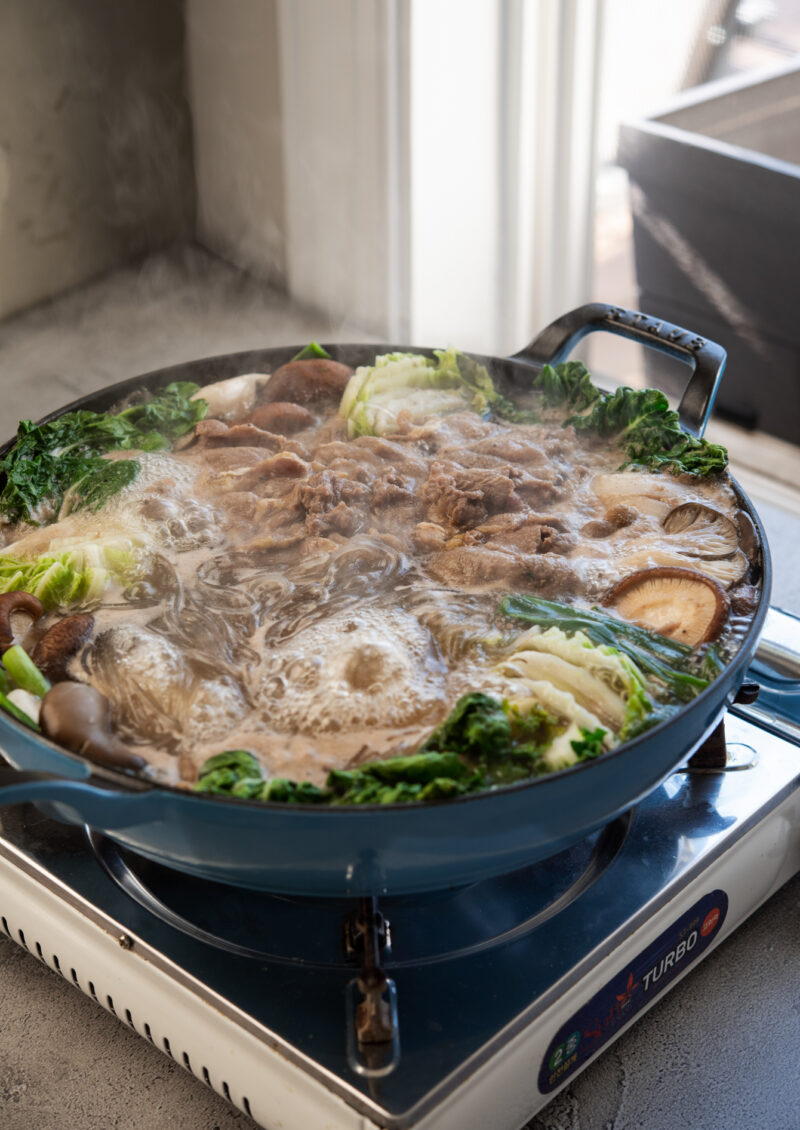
<point x="720" y="1050"/>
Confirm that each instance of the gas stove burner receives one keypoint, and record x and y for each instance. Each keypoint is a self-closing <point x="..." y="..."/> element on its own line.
<point x="425" y="929"/>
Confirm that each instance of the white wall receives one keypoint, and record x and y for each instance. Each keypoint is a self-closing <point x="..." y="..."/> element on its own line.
<point x="455" y="170"/>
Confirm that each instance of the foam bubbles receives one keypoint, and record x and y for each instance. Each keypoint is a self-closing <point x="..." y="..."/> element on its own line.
<point x="353" y="670"/>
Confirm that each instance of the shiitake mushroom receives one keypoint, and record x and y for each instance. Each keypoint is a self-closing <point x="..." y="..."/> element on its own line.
<point x="682" y="604"/>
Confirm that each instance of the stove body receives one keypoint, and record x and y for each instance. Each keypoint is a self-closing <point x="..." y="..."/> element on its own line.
<point x="494" y="996"/>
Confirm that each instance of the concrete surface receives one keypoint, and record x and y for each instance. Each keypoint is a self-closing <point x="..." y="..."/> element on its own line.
<point x="719" y="1051"/>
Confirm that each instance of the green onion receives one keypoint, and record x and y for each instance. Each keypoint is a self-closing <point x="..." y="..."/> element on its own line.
<point x="24" y="671"/>
<point x="20" y="715"/>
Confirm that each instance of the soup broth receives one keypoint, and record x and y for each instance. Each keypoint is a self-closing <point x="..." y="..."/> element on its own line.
<point x="323" y="599"/>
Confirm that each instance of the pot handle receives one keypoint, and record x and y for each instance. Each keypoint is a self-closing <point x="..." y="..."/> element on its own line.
<point x="99" y="807"/>
<point x="555" y="343"/>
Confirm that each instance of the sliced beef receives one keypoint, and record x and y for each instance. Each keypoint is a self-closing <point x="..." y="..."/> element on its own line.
<point x="524" y="533"/>
<point x="349" y="469"/>
<point x="332" y="504"/>
<point x="428" y="537"/>
<point x="513" y="448"/>
<point x="392" y="487"/>
<point x="284" y="465"/>
<point x="480" y="567"/>
<point x="464" y="497"/>
<point x="450" y="504"/>
<point x="224" y="459"/>
<point x="497" y="486"/>
<point x="344" y="451"/>
<point x="399" y="456"/>
<point x="542" y="488"/>
<point x="237" y="505"/>
<point x="466" y="458"/>
<point x="215" y="433"/>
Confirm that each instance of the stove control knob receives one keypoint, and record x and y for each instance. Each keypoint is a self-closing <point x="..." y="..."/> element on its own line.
<point x="747" y="693"/>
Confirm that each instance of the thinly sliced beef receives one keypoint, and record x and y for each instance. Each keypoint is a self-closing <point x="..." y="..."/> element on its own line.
<point x="480" y="567"/>
<point x="224" y="459"/>
<point x="338" y="450"/>
<point x="238" y="505"/>
<point x="536" y="538"/>
<point x="215" y="433"/>
<point x="510" y="447"/>
<point x="447" y="503"/>
<point x="332" y="504"/>
<point x="464" y="498"/>
<point x="428" y="537"/>
<point x="400" y="457"/>
<point x="393" y="487"/>
<point x="348" y="469"/>
<point x="523" y="533"/>
<point x="540" y="489"/>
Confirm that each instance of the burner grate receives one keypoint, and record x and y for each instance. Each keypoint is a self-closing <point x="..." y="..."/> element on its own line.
<point x="436" y="927"/>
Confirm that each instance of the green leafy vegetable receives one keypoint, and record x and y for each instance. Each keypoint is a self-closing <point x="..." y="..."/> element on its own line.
<point x="482" y="743"/>
<point x="311" y="352"/>
<point x="590" y="743"/>
<point x="220" y="773"/>
<point x="284" y="791"/>
<point x="100" y="483"/>
<point x="476" y="725"/>
<point x="48" y="459"/>
<point x="640" y="420"/>
<point x="568" y="384"/>
<point x="673" y="664"/>
<point x="421" y="776"/>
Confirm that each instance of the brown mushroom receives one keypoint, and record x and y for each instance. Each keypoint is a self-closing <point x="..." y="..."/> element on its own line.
<point x="617" y="518"/>
<point x="307" y="382"/>
<point x="281" y="416"/>
<point x="620" y="516"/>
<point x="78" y="717"/>
<point x="597" y="528"/>
<point x="705" y="532"/>
<point x="60" y="643"/>
<point x="679" y="603"/>
<point x="11" y="602"/>
<point x="749" y="542"/>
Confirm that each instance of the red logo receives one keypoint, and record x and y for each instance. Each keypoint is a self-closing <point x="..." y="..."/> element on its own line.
<point x="709" y="922"/>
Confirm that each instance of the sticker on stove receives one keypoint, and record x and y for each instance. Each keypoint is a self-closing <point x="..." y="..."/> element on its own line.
<point x="635" y="987"/>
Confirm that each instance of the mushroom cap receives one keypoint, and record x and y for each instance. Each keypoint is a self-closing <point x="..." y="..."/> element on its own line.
<point x="704" y="531"/>
<point x="16" y="601"/>
<point x="78" y="717"/>
<point x="682" y="604"/>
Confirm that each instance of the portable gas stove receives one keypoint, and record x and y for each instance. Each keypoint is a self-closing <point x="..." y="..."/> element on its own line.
<point x="322" y="1012"/>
